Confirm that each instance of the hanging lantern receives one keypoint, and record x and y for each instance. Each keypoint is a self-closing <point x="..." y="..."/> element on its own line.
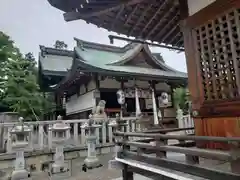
<point x="121" y="97"/>
<point x="164" y="98"/>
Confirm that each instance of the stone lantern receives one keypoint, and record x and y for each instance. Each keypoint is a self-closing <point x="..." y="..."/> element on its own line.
<point x="116" y="125"/>
<point x="91" y="160"/>
<point x="59" y="137"/>
<point x="21" y="137"/>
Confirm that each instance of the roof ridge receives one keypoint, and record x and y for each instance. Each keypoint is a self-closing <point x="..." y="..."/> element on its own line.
<point x="55" y="51"/>
<point x="106" y="47"/>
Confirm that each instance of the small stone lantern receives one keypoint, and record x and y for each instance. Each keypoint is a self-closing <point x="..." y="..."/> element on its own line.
<point x="21" y="137"/>
<point x="91" y="160"/>
<point x="59" y="137"/>
<point x="116" y="125"/>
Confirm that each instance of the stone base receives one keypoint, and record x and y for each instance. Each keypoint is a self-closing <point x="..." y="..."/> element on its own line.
<point x="61" y="176"/>
<point x="56" y="168"/>
<point x="20" y="174"/>
<point x="92" y="162"/>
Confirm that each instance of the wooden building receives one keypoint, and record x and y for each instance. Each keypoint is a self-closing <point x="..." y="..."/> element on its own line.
<point x="209" y="32"/>
<point x="53" y="67"/>
<point x="98" y="71"/>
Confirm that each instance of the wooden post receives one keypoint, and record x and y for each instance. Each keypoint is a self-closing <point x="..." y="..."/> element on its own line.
<point x="190" y="159"/>
<point x="126" y="174"/>
<point x="161" y="142"/>
<point x="235" y="153"/>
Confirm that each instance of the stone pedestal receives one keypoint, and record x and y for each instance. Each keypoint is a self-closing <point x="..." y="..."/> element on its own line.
<point x="59" y="164"/>
<point x="20" y="172"/>
<point x="91" y="161"/>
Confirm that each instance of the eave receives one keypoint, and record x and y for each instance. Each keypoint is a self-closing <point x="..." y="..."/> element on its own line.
<point x="87" y="68"/>
<point x="155" y="20"/>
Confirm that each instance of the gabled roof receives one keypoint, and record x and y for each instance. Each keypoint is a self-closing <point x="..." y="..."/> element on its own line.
<point x="110" y="60"/>
<point x="101" y="54"/>
<point x="55" y="62"/>
<point x="103" y="57"/>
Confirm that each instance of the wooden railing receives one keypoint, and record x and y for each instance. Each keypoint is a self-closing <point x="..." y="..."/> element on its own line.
<point x="154" y="156"/>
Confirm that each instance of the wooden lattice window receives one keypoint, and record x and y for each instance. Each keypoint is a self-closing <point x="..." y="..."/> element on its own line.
<point x="218" y="51"/>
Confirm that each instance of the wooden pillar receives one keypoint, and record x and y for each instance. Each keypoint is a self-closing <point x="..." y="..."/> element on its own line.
<point x="122" y="105"/>
<point x="153" y="86"/>
<point x="97" y="92"/>
<point x="126" y="174"/>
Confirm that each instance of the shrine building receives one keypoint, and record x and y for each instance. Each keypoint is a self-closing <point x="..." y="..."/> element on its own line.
<point x="92" y="72"/>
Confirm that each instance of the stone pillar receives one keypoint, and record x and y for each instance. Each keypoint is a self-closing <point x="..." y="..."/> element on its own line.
<point x="104" y="133"/>
<point x="50" y="136"/>
<point x="180" y="118"/>
<point x="75" y="133"/>
<point x="40" y="136"/>
<point x="9" y="139"/>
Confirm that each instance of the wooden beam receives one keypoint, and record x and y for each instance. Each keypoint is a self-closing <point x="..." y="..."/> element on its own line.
<point x="198" y="171"/>
<point x="74" y="15"/>
<point x="169" y="23"/>
<point x="169" y="33"/>
<point x="130" y="15"/>
<point x="145" y="42"/>
<point x="153" y="17"/>
<point x="179" y="41"/>
<point x="117" y="16"/>
<point x="166" y="14"/>
<point x="140" y="19"/>
<point x="174" y="37"/>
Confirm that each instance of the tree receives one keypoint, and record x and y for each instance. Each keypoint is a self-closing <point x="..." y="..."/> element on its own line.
<point x="30" y="57"/>
<point x="22" y="91"/>
<point x="7" y="51"/>
<point x="60" y="45"/>
<point x="181" y="99"/>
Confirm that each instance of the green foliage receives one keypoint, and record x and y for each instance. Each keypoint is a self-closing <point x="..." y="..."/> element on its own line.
<point x="60" y="45"/>
<point x="19" y="87"/>
<point x="181" y="99"/>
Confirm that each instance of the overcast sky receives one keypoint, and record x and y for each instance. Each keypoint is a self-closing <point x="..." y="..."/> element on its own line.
<point x="31" y="23"/>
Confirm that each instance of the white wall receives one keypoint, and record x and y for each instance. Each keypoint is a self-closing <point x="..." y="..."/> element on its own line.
<point x="196" y="5"/>
<point x="79" y="104"/>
